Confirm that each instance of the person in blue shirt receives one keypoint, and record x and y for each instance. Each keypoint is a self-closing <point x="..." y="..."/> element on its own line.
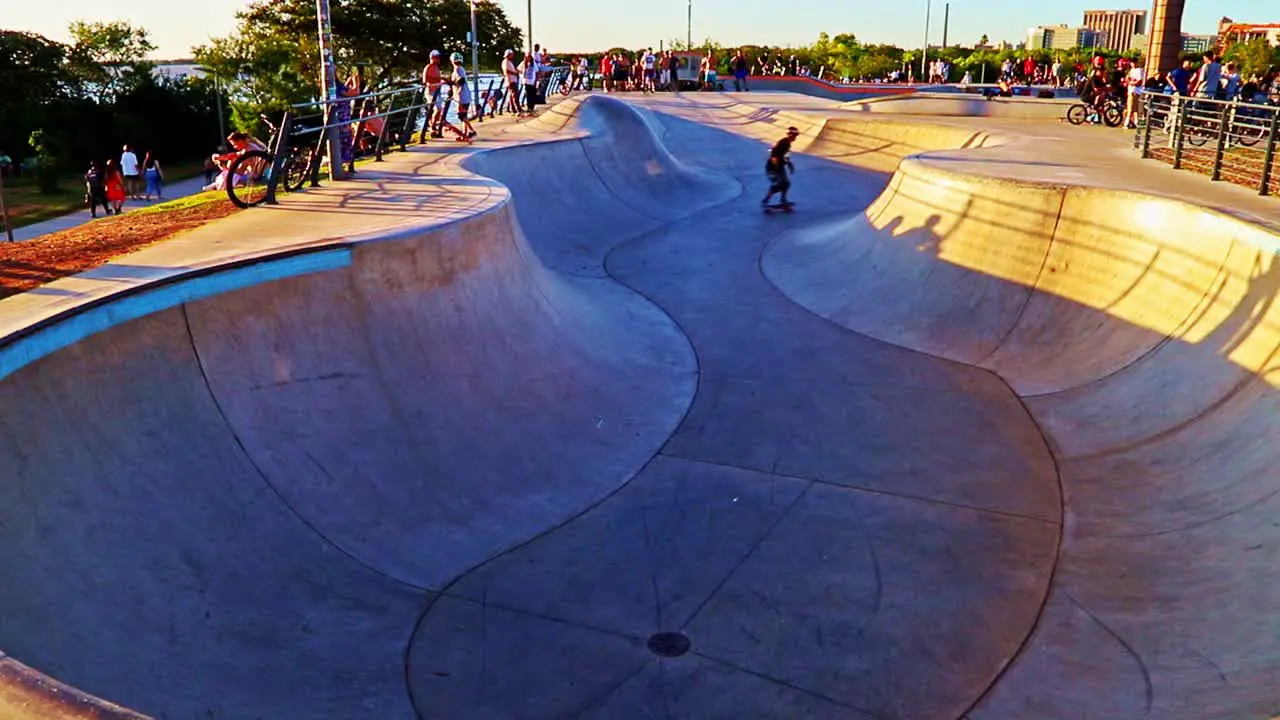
<point x="1180" y="78"/>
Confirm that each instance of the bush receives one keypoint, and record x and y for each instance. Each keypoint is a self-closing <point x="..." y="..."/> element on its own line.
<point x="46" y="162"/>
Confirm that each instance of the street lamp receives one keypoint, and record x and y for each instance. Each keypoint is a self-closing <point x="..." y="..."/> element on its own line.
<point x="217" y="93"/>
<point x="689" y="28"/>
<point x="475" y="59"/>
<point x="530" y="27"/>
<point x="924" y="53"/>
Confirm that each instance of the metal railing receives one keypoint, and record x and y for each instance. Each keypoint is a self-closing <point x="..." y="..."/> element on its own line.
<point x="1226" y="140"/>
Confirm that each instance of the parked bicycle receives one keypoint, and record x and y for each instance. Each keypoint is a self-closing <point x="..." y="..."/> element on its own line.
<point x="252" y="177"/>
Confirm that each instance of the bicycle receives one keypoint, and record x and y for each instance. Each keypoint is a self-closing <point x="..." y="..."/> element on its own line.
<point x="1112" y="113"/>
<point x="252" y="177"/>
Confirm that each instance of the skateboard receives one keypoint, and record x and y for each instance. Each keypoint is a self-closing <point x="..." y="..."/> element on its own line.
<point x="779" y="207"/>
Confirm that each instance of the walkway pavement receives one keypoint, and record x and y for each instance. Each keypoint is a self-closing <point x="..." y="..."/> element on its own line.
<point x="173" y="191"/>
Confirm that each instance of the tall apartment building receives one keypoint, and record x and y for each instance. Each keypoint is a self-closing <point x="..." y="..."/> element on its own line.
<point x="1062" y="37"/>
<point x="1118" y="27"/>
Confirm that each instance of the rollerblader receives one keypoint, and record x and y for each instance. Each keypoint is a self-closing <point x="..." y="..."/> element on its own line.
<point x="776" y="169"/>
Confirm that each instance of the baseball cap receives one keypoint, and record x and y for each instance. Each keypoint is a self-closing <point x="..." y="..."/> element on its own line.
<point x="435" y="53"/>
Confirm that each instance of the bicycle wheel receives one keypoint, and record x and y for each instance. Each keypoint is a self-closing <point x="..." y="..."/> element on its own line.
<point x="1195" y="136"/>
<point x="1112" y="115"/>
<point x="1076" y="114"/>
<point x="1250" y="134"/>
<point x="248" y="178"/>
<point x="297" y="169"/>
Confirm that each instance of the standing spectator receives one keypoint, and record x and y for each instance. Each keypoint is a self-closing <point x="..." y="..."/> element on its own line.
<point x="432" y="81"/>
<point x="673" y="64"/>
<point x="114" y="185"/>
<point x="650" y="63"/>
<point x="740" y="68"/>
<point x="1231" y="82"/>
<point x="95" y="193"/>
<point x="529" y="69"/>
<point x="606" y="72"/>
<point x="129" y="168"/>
<point x="1208" y="81"/>
<point x="511" y="75"/>
<point x="153" y="176"/>
<point x="1135" y="82"/>
<point x="1180" y="78"/>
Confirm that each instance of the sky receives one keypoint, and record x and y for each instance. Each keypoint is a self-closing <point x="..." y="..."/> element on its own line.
<point x="584" y="25"/>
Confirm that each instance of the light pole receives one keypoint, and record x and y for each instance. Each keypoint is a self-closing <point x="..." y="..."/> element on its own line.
<point x="217" y="94"/>
<point x="329" y="87"/>
<point x="946" y="21"/>
<point x="688" y="40"/>
<point x="475" y="59"/>
<point x="530" y="27"/>
<point x="924" y="53"/>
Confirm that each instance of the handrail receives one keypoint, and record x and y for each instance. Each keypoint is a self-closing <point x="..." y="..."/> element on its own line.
<point x="1225" y="139"/>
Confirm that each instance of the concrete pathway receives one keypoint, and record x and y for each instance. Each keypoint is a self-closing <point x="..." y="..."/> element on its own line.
<point x="173" y="191"/>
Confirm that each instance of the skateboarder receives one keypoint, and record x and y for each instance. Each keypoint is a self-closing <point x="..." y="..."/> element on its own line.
<point x="777" y="167"/>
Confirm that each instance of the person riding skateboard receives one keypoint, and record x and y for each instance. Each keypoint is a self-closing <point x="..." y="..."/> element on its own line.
<point x="777" y="167"/>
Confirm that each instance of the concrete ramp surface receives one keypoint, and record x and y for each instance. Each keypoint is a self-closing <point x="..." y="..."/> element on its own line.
<point x="564" y="426"/>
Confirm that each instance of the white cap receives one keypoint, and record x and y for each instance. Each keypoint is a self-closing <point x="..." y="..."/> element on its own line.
<point x="508" y="52"/>
<point x="435" y="53"/>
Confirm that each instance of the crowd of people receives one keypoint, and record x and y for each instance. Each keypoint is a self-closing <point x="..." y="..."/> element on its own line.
<point x="109" y="185"/>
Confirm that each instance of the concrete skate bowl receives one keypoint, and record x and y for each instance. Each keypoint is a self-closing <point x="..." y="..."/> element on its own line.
<point x="1143" y="335"/>
<point x="965" y="105"/>
<point x="234" y="493"/>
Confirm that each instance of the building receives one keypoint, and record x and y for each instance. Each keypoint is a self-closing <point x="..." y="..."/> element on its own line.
<point x="1198" y="44"/>
<point x="1118" y="27"/>
<point x="1233" y="32"/>
<point x="1062" y="37"/>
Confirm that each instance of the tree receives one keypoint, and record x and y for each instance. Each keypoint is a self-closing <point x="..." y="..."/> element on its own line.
<point x="273" y="59"/>
<point x="1254" y="57"/>
<point x="107" y="58"/>
<point x="984" y="40"/>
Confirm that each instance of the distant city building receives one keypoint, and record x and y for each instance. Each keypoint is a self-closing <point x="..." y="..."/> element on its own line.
<point x="1116" y="27"/>
<point x="1233" y="32"/>
<point x="1198" y="44"/>
<point x="1062" y="37"/>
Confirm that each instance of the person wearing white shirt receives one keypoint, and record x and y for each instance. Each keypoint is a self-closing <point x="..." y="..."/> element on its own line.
<point x="584" y="73"/>
<point x="511" y="74"/>
<point x="129" y="169"/>
<point x="529" y="69"/>
<point x="1134" y="81"/>
<point x="650" y="71"/>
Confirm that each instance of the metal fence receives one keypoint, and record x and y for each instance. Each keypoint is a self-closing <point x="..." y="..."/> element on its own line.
<point x="1229" y="141"/>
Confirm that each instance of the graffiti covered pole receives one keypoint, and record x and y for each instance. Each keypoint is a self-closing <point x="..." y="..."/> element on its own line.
<point x="329" y="88"/>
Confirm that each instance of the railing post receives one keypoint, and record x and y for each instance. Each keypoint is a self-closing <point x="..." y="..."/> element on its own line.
<point x="1179" y="131"/>
<point x="1149" y="102"/>
<point x="1264" y="187"/>
<point x="1224" y="124"/>
<point x="277" y="157"/>
<point x="408" y="122"/>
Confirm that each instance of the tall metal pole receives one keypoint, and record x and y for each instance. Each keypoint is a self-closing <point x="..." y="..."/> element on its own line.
<point x="222" y="123"/>
<point x="530" y="27"/>
<point x="924" y="53"/>
<point x="475" y="60"/>
<point x="329" y="87"/>
<point x="688" y="40"/>
<point x="946" y="22"/>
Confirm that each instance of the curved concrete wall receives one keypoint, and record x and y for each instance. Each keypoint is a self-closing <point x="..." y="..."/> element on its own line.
<point x="222" y="478"/>
<point x="1144" y="335"/>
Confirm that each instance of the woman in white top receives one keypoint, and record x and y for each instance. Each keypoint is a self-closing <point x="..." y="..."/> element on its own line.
<point x="530" y="71"/>
<point x="511" y="75"/>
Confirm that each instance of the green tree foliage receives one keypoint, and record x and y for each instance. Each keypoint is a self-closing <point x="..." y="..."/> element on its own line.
<point x="1254" y="57"/>
<point x="64" y="105"/>
<point x="109" y="58"/>
<point x="273" y="58"/>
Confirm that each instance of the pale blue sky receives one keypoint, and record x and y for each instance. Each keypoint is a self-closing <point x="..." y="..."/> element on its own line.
<point x="569" y="25"/>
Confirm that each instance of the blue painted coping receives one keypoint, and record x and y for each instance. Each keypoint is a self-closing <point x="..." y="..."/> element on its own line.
<point x="131" y="306"/>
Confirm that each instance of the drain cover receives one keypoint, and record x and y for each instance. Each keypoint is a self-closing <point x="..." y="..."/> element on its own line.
<point x="669" y="644"/>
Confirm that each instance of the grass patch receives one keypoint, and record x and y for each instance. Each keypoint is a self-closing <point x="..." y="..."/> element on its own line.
<point x="25" y="265"/>
<point x="27" y="205"/>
